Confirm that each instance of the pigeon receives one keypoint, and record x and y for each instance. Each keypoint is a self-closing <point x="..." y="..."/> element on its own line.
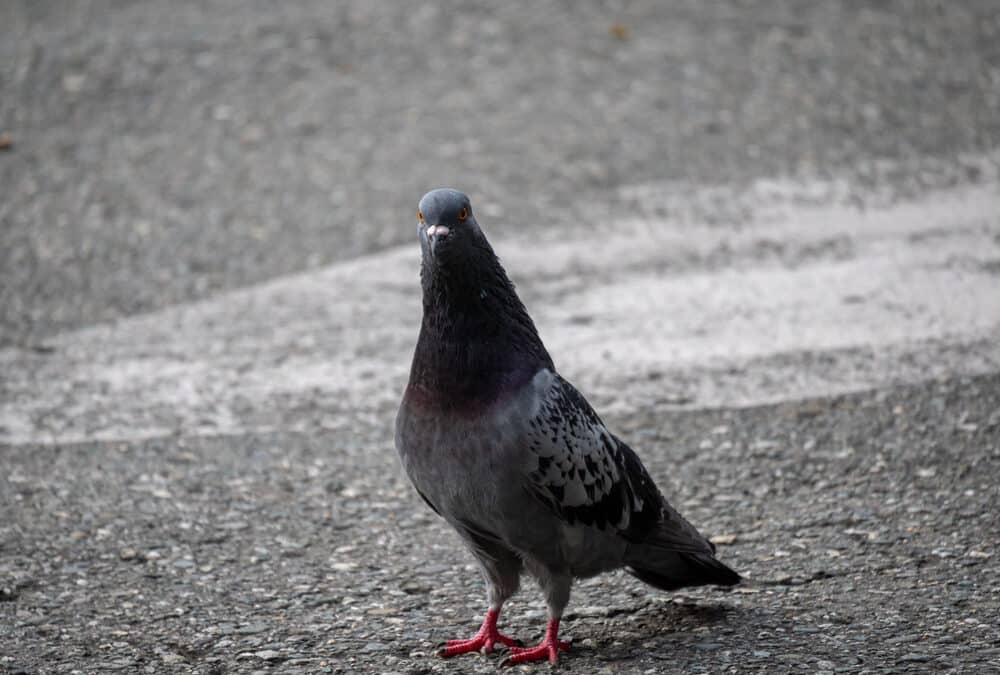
<point x="513" y="457"/>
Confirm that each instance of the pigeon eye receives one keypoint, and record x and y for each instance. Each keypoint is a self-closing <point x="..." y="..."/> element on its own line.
<point x="463" y="214"/>
<point x="420" y="216"/>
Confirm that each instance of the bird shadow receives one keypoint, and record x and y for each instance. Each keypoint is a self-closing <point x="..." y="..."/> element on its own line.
<point x="681" y="624"/>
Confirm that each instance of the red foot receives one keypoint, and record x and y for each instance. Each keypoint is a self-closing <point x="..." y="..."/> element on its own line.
<point x="548" y="649"/>
<point x="485" y="639"/>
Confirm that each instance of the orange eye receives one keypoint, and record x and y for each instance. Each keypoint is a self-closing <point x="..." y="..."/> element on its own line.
<point x="420" y="216"/>
<point x="463" y="214"/>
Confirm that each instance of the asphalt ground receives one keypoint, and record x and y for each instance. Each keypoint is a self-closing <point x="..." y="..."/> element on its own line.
<point x="865" y="525"/>
<point x="762" y="238"/>
<point x="161" y="152"/>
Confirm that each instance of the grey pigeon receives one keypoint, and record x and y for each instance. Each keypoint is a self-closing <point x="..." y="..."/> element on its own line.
<point x="513" y="456"/>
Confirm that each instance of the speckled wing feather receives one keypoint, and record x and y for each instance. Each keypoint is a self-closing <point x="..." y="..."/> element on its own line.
<point x="586" y="475"/>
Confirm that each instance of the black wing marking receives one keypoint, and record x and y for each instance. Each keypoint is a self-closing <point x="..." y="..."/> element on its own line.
<point x="586" y="475"/>
<point x="583" y="472"/>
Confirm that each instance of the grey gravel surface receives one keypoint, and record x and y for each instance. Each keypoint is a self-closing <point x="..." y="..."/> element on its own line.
<point x="163" y="151"/>
<point x="865" y="524"/>
<point x="152" y="154"/>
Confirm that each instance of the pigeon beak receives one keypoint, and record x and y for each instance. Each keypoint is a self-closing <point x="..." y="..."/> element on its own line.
<point x="434" y="234"/>
<point x="437" y="231"/>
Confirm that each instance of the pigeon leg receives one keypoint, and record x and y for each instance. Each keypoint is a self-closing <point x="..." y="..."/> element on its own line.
<point x="548" y="649"/>
<point x="485" y="639"/>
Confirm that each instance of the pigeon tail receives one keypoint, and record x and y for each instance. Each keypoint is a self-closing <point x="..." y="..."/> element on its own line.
<point x="684" y="570"/>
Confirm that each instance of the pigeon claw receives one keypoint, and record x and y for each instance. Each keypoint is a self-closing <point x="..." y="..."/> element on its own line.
<point x="548" y="649"/>
<point x="483" y="641"/>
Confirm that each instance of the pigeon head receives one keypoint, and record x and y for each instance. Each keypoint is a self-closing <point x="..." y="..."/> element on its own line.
<point x="446" y="225"/>
<point x="459" y="267"/>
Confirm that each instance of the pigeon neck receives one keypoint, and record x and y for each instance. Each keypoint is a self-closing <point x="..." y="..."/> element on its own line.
<point x="477" y="343"/>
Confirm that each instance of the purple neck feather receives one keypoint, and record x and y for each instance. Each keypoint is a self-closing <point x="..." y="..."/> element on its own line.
<point x="477" y="344"/>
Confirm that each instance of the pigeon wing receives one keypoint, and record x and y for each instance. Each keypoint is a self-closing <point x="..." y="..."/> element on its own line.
<point x="587" y="476"/>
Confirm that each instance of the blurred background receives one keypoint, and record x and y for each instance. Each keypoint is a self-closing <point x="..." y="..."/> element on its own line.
<point x="159" y="152"/>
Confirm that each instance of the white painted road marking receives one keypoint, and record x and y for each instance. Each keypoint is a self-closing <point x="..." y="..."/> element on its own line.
<point x="805" y="301"/>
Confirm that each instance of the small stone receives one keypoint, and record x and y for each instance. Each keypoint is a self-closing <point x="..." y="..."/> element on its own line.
<point x="914" y="657"/>
<point x="184" y="564"/>
<point x="708" y="646"/>
<point x="413" y="588"/>
<point x="375" y="647"/>
<point x="723" y="539"/>
<point x="619" y="31"/>
<point x="73" y="82"/>
<point x="128" y="554"/>
<point x="269" y="655"/>
<point x="251" y="135"/>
